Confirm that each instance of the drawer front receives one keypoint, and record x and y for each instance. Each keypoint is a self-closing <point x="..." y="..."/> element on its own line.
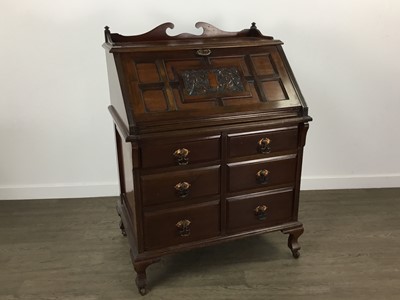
<point x="244" y="175"/>
<point x="180" y="185"/>
<point x="261" y="211"/>
<point x="265" y="142"/>
<point x="174" y="227"/>
<point x="168" y="153"/>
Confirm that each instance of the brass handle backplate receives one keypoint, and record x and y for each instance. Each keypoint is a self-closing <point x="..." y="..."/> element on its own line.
<point x="264" y="145"/>
<point x="262" y="176"/>
<point x="182" y="189"/>
<point x="260" y="212"/>
<point x="181" y="156"/>
<point x="203" y="52"/>
<point x="183" y="227"/>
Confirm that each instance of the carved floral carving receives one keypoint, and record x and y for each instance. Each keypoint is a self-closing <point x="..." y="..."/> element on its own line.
<point x="224" y="80"/>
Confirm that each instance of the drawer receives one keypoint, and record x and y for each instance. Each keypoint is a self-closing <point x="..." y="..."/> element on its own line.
<point x="262" y="173"/>
<point x="180" y="185"/>
<point x="261" y="211"/>
<point x="262" y="142"/>
<point x="168" y="153"/>
<point x="178" y="226"/>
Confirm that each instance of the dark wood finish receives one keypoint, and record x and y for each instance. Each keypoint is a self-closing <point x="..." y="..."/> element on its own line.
<point x="210" y="136"/>
<point x="293" y="240"/>
<point x="244" y="175"/>
<point x="162" y="187"/>
<point x="161" y="228"/>
<point x="243" y="216"/>
<point x="160" y="152"/>
<point x="246" y="144"/>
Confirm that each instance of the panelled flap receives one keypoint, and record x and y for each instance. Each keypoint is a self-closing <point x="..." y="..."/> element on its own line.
<point x="171" y="86"/>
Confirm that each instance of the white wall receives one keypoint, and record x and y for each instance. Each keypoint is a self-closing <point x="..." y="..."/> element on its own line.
<point x="55" y="132"/>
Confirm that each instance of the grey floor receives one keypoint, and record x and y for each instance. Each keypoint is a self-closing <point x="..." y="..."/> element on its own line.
<point x="73" y="249"/>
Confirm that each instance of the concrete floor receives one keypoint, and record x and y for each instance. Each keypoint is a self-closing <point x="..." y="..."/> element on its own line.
<point x="73" y="249"/>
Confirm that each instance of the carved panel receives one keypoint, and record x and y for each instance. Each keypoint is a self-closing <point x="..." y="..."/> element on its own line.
<point x="222" y="81"/>
<point x="184" y="105"/>
<point x="231" y="61"/>
<point x="172" y="65"/>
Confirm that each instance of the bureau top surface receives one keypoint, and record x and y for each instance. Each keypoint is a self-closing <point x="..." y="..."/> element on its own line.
<point x="187" y="79"/>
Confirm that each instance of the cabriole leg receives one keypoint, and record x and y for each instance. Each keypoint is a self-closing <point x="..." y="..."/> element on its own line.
<point x="121" y="224"/>
<point x="293" y="244"/>
<point x="141" y="278"/>
<point x="122" y="227"/>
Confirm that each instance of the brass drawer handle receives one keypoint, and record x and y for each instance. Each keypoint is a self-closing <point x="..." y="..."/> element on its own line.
<point x="181" y="156"/>
<point x="262" y="176"/>
<point x="203" y="52"/>
<point x="183" y="227"/>
<point x="260" y="212"/>
<point x="182" y="189"/>
<point x="264" y="145"/>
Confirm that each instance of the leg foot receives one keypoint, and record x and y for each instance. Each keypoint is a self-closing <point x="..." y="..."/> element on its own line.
<point x="141" y="283"/>
<point x="122" y="227"/>
<point x="141" y="278"/>
<point x="121" y="224"/>
<point x="293" y="244"/>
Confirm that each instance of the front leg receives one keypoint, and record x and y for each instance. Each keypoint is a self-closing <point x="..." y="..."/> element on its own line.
<point x="141" y="278"/>
<point x="122" y="227"/>
<point x="293" y="244"/>
<point x="121" y="224"/>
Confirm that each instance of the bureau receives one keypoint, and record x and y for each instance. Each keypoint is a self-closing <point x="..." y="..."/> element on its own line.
<point x="210" y="131"/>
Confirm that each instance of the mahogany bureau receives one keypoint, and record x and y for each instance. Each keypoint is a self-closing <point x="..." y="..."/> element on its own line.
<point x="210" y="131"/>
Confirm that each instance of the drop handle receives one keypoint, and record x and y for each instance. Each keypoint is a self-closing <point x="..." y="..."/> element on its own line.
<point x="181" y="156"/>
<point x="183" y="227"/>
<point x="260" y="212"/>
<point x="182" y="189"/>
<point x="264" y="145"/>
<point x="262" y="176"/>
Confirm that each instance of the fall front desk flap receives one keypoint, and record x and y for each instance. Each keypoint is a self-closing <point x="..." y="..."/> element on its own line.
<point x="161" y="80"/>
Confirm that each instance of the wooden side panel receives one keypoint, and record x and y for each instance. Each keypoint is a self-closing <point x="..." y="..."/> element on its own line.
<point x="115" y="89"/>
<point x="125" y="168"/>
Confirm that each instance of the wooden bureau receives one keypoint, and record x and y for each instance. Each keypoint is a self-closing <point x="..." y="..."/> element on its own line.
<point x="210" y="131"/>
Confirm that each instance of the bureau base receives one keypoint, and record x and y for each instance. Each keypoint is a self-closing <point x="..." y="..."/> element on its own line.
<point x="141" y="261"/>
